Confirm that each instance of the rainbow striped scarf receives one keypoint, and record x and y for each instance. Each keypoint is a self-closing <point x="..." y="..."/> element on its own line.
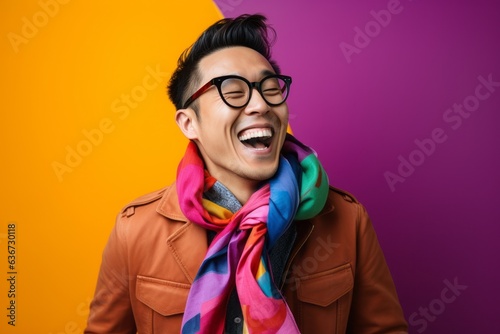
<point x="238" y="255"/>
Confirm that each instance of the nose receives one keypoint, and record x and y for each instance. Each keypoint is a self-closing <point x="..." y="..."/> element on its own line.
<point x="257" y="104"/>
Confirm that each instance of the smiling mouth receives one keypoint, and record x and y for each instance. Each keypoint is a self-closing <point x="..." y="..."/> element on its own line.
<point x="259" y="139"/>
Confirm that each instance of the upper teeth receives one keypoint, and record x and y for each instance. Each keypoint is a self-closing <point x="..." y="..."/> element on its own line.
<point x="255" y="133"/>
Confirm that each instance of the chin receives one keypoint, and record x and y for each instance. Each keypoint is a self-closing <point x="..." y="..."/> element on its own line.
<point x="262" y="174"/>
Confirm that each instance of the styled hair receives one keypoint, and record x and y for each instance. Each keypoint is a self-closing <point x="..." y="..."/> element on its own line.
<point x="246" y="30"/>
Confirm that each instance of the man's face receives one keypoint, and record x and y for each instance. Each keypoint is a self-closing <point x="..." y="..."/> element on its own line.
<point x="220" y="131"/>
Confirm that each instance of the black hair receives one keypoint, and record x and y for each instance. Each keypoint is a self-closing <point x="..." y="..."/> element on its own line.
<point x="246" y="30"/>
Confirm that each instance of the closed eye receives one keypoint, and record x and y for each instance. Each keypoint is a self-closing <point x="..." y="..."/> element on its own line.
<point x="272" y="91"/>
<point x="234" y="95"/>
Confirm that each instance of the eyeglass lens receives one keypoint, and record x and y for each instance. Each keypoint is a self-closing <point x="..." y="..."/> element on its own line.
<point x="236" y="92"/>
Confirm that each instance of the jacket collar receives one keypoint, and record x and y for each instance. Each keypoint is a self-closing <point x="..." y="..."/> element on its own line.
<point x="181" y="241"/>
<point x="169" y="204"/>
<point x="329" y="207"/>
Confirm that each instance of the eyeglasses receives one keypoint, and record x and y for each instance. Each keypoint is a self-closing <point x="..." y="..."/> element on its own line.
<point x="236" y="91"/>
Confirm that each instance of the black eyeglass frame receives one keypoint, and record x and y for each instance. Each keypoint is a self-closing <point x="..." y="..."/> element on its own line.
<point x="217" y="82"/>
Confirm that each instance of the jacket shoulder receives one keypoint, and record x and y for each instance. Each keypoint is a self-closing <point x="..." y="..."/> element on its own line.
<point x="149" y="198"/>
<point x="344" y="194"/>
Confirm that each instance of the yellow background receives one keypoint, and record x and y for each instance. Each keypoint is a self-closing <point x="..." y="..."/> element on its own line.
<point x="67" y="68"/>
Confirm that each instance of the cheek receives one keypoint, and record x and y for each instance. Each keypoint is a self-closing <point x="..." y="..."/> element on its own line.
<point x="284" y="118"/>
<point x="282" y="112"/>
<point x="216" y="137"/>
<point x="216" y="114"/>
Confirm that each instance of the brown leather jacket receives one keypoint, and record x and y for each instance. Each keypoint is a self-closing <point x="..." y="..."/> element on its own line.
<point x="336" y="281"/>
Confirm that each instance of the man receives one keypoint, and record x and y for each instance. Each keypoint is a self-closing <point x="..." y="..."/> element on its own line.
<point x="250" y="238"/>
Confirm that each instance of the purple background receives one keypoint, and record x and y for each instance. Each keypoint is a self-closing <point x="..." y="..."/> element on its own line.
<point x="440" y="224"/>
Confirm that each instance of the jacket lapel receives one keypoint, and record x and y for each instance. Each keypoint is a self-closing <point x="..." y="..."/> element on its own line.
<point x="304" y="231"/>
<point x="188" y="243"/>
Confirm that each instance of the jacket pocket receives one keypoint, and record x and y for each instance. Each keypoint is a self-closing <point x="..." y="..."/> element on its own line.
<point x="165" y="300"/>
<point x="325" y="300"/>
<point x="324" y="288"/>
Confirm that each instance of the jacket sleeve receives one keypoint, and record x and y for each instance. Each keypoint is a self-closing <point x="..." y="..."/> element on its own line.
<point x="375" y="304"/>
<point x="111" y="310"/>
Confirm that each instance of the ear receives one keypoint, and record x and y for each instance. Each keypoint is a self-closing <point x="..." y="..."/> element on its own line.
<point x="187" y="121"/>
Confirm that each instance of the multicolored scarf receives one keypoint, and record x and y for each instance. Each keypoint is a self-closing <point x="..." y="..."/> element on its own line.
<point x="238" y="255"/>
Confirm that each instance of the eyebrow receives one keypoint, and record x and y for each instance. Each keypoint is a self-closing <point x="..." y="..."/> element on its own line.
<point x="267" y="72"/>
<point x="263" y="73"/>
